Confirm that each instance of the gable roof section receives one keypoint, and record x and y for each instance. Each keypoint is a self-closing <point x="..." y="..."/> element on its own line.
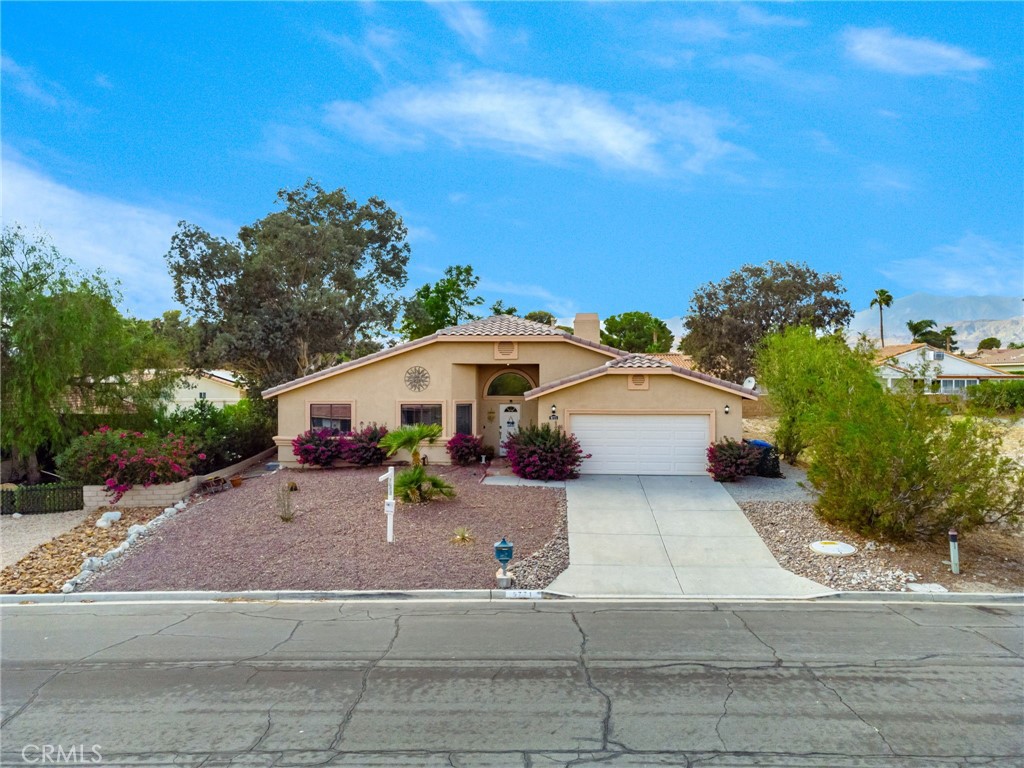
<point x="496" y="327"/>
<point x="641" y="362"/>
<point x="887" y="355"/>
<point x="895" y="350"/>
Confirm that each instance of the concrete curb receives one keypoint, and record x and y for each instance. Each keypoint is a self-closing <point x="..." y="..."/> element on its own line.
<point x="494" y="595"/>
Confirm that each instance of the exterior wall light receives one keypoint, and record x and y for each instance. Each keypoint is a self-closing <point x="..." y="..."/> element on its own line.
<point x="554" y="410"/>
<point x="726" y="409"/>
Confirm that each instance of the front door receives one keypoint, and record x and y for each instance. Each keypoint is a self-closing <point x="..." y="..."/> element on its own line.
<point x="508" y="425"/>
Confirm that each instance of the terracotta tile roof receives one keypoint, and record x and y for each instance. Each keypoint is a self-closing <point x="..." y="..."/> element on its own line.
<point x="499" y="325"/>
<point x="640" y="361"/>
<point x="502" y="325"/>
<point x="676" y="358"/>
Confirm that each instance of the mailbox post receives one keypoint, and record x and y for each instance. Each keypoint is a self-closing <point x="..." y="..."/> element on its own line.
<point x="389" y="504"/>
<point x="503" y="554"/>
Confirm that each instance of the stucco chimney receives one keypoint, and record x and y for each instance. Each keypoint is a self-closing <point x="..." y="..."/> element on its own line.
<point x="587" y="326"/>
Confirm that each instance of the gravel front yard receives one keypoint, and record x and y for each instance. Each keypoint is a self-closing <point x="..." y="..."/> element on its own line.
<point x="236" y="541"/>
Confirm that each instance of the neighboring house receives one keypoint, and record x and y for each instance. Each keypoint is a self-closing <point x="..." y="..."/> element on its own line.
<point x="632" y="412"/>
<point x="941" y="372"/>
<point x="1006" y="360"/>
<point x="676" y="358"/>
<point x="217" y="387"/>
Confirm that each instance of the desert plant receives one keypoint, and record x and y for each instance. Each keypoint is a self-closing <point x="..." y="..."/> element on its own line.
<point x="997" y="396"/>
<point x="319" y="447"/>
<point x="543" y="453"/>
<point x="463" y="536"/>
<point x="728" y="460"/>
<point x="363" y="447"/>
<point x="284" y="502"/>
<point x="292" y="485"/>
<point x="414" y="485"/>
<point x="409" y="439"/>
<point x="465" y="449"/>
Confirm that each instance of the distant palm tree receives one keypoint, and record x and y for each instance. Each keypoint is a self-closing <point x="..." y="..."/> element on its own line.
<point x="948" y="333"/>
<point x="882" y="299"/>
<point x="919" y="328"/>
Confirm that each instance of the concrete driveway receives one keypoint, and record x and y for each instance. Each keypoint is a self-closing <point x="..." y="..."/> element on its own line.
<point x="667" y="536"/>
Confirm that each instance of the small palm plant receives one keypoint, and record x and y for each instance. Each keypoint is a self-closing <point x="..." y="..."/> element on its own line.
<point x="409" y="439"/>
<point x="415" y="485"/>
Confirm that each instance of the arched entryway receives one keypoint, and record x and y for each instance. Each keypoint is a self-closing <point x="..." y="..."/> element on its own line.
<point x="504" y="403"/>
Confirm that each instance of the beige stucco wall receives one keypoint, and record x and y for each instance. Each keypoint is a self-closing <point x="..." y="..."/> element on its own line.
<point x="217" y="392"/>
<point x="377" y="389"/>
<point x="667" y="393"/>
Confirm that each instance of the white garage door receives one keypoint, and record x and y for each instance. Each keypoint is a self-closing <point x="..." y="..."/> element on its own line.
<point x="648" y="444"/>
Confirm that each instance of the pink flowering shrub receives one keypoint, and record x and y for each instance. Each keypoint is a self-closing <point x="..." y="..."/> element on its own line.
<point x="121" y="460"/>
<point x="319" y="447"/>
<point x="363" y="447"/>
<point x="728" y="460"/>
<point x="465" y="449"/>
<point x="542" y="453"/>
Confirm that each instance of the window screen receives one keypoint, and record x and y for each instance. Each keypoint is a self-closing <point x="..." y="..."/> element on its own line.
<point x="420" y="414"/>
<point x="336" y="416"/>
<point x="464" y="418"/>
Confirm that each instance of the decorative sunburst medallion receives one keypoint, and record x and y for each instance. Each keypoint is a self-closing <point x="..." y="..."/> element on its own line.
<point x="417" y="379"/>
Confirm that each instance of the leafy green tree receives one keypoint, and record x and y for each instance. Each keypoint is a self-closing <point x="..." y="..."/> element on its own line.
<point x="540" y="316"/>
<point x="179" y="334"/>
<point x="445" y="303"/>
<point x="887" y="463"/>
<point x="66" y="350"/>
<point x="1015" y="345"/>
<point x="727" y="320"/>
<point x="300" y="285"/>
<point x="882" y="300"/>
<point x="636" y="332"/>
<point x="499" y="308"/>
<point x="990" y="343"/>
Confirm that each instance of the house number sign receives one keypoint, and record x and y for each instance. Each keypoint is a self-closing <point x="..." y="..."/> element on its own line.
<point x="417" y="379"/>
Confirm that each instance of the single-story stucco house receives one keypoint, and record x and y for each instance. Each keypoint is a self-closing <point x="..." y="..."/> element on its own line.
<point x="634" y="413"/>
<point x="217" y="387"/>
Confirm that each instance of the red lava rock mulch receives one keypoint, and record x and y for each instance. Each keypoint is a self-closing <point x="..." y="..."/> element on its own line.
<point x="235" y="540"/>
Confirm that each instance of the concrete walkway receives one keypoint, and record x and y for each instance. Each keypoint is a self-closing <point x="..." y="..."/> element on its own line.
<point x="667" y="536"/>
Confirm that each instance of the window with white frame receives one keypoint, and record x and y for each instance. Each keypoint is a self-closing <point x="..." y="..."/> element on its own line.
<point x="956" y="386"/>
<point x="420" y="413"/>
<point x="337" y="416"/>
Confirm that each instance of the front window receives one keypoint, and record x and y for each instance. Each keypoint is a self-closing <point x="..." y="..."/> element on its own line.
<point x="464" y="418"/>
<point x="337" y="416"/>
<point x="413" y="413"/>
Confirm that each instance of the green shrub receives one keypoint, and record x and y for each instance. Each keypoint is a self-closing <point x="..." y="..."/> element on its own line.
<point x="416" y="486"/>
<point x="997" y="396"/>
<point x="889" y="463"/>
<point x="226" y="435"/>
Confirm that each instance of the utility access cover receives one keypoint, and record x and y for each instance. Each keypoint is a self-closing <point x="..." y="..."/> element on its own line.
<point x="835" y="548"/>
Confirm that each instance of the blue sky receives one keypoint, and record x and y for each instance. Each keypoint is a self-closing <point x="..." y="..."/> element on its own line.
<point x="581" y="156"/>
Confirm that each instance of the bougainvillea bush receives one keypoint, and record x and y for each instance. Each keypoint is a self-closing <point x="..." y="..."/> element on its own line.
<point x="465" y="449"/>
<point x="728" y="460"/>
<point x="319" y="447"/>
<point x="363" y="447"/>
<point x="121" y="460"/>
<point x="543" y="453"/>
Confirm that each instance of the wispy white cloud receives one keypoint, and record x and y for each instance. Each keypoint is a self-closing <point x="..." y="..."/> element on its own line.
<point x="822" y="143"/>
<point x="539" y="119"/>
<point x="103" y="81"/>
<point x="126" y="241"/>
<point x="754" y="16"/>
<point x="545" y="299"/>
<point x="379" y="46"/>
<point x="700" y="29"/>
<point x="32" y="85"/>
<point x="882" y="178"/>
<point x="974" y="265"/>
<point x="286" y="143"/>
<point x="883" y="49"/>
<point x="766" y="68"/>
<point x="468" y="22"/>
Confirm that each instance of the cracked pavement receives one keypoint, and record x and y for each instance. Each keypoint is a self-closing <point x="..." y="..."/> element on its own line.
<point x="545" y="683"/>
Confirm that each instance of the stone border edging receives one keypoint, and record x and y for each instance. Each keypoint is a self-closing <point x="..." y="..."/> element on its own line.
<point x="490" y="595"/>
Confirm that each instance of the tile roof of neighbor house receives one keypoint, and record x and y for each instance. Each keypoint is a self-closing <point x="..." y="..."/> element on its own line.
<point x="895" y="350"/>
<point x="676" y="358"/>
<point x="641" y="361"/>
<point x="999" y="356"/>
<point x="490" y="327"/>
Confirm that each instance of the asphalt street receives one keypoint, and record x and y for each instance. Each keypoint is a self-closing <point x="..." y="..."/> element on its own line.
<point x="513" y="683"/>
